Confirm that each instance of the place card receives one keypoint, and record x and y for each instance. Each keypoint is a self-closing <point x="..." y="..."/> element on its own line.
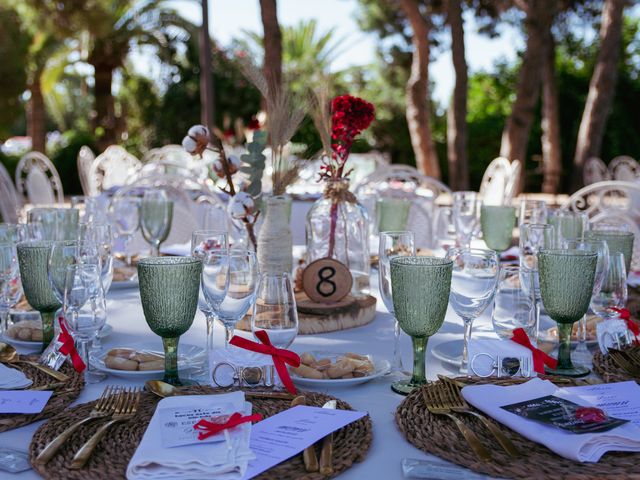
<point x="620" y="399"/>
<point x="286" y="434"/>
<point x="23" y="401"/>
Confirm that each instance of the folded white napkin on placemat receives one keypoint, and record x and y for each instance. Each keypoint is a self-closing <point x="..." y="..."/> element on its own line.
<point x="226" y="460"/>
<point x="12" y="378"/>
<point x="585" y="447"/>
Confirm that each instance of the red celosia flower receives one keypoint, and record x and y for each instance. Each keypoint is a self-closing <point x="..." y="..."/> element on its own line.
<point x="254" y="124"/>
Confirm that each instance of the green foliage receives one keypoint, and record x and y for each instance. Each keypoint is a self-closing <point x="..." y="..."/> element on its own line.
<point x="254" y="162"/>
<point x="66" y="157"/>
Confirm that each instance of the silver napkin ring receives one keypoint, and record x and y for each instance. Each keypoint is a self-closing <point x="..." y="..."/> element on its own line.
<point x="503" y="366"/>
<point x="244" y="376"/>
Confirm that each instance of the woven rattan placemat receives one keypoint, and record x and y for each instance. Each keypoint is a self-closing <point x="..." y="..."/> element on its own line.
<point x="57" y="403"/>
<point x="438" y="435"/>
<point x="110" y="459"/>
<point x="608" y="370"/>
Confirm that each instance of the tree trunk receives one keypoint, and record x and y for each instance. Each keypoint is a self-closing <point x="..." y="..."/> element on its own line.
<point x="417" y="92"/>
<point x="36" y="116"/>
<point x="457" y="113"/>
<point x="272" y="43"/>
<point x="518" y="126"/>
<point x="601" y="88"/>
<point x="551" y="152"/>
<point x="104" y="104"/>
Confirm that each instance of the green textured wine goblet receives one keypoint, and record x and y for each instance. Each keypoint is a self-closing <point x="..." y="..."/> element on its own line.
<point x="169" y="288"/>
<point x="566" y="287"/>
<point x="497" y="224"/>
<point x="392" y="214"/>
<point x="420" y="287"/>
<point x="618" y="241"/>
<point x="33" y="258"/>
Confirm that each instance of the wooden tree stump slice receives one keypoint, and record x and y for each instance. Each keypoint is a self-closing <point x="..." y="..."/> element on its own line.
<point x="322" y="318"/>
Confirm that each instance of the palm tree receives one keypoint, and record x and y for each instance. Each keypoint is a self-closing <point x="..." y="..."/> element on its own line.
<point x="113" y="29"/>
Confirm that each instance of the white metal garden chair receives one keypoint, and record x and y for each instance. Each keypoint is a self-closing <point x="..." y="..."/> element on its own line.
<point x="10" y="201"/>
<point x="500" y="181"/>
<point x="85" y="159"/>
<point x="38" y="180"/>
<point x="625" y="169"/>
<point x="111" y="169"/>
<point x="594" y="171"/>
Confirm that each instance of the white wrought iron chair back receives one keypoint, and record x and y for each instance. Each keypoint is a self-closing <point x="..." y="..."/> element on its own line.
<point x="173" y="160"/>
<point x="10" y="201"/>
<point x="612" y="202"/>
<point x="595" y="170"/>
<point x="112" y="168"/>
<point x="624" y="168"/>
<point x="38" y="180"/>
<point x="500" y="181"/>
<point x="85" y="159"/>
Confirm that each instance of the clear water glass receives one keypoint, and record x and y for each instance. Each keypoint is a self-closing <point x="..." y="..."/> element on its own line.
<point x="99" y="234"/>
<point x="497" y="222"/>
<point x="466" y="217"/>
<point x="392" y="214"/>
<point x="618" y="241"/>
<point x="13" y="232"/>
<point x="54" y="223"/>
<point x="204" y="242"/>
<point x="512" y="305"/>
<point x="124" y="214"/>
<point x="613" y="292"/>
<point x="275" y="309"/>
<point x="84" y="310"/>
<point x="566" y="288"/>
<point x="156" y="215"/>
<point x="10" y="284"/>
<point x="393" y="244"/>
<point x="532" y="211"/>
<point x="568" y="225"/>
<point x="473" y="284"/>
<point x="64" y="253"/>
<point x="420" y="296"/>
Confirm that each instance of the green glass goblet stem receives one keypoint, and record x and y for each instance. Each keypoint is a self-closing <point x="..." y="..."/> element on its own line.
<point x="564" y="347"/>
<point x="169" y="288"/>
<point x="420" y="290"/>
<point x="33" y="257"/>
<point x="497" y="224"/>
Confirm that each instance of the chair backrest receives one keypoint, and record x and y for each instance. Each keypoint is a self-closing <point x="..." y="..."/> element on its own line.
<point x="612" y="202"/>
<point x="403" y="177"/>
<point x="594" y="171"/>
<point x="498" y="182"/>
<point x="512" y="185"/>
<point x="10" y="201"/>
<point x="38" y="180"/>
<point x="173" y="160"/>
<point x="624" y="168"/>
<point x="85" y="159"/>
<point x="112" y="168"/>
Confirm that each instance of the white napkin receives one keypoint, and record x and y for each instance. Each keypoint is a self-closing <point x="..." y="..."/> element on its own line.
<point x="238" y="357"/>
<point x="177" y="249"/>
<point x="196" y="461"/>
<point x="495" y="347"/>
<point x="12" y="378"/>
<point x="586" y="447"/>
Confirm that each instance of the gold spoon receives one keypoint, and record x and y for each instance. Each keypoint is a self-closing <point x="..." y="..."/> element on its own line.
<point x="8" y="354"/>
<point x="163" y="389"/>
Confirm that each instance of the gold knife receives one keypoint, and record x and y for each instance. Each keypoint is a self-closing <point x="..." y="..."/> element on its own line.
<point x="326" y="453"/>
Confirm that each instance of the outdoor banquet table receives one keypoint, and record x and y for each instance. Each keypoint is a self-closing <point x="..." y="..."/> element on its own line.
<point x="375" y="397"/>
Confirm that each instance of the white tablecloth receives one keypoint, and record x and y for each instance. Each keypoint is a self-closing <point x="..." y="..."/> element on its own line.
<point x="388" y="448"/>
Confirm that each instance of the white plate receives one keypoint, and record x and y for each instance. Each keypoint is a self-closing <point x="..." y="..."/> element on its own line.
<point x="381" y="365"/>
<point x="449" y="352"/>
<point x="106" y="331"/>
<point x="190" y="358"/>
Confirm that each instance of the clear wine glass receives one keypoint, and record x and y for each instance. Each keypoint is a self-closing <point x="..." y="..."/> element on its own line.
<point x="466" y="217"/>
<point x="203" y="242"/>
<point x="125" y="216"/>
<point x="568" y="225"/>
<point x="532" y="211"/>
<point x="533" y="238"/>
<point x="10" y="284"/>
<point x="393" y="244"/>
<point x="473" y="284"/>
<point x="84" y="310"/>
<point x="613" y="292"/>
<point x="243" y="276"/>
<point x="275" y="309"/>
<point x="64" y="253"/>
<point x="156" y="215"/>
<point x="12" y="232"/>
<point x="99" y="234"/>
<point x="512" y="305"/>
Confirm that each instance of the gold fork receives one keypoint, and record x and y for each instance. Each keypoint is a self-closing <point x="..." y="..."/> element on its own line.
<point x="126" y="408"/>
<point x="103" y="408"/>
<point x="457" y="403"/>
<point x="436" y="406"/>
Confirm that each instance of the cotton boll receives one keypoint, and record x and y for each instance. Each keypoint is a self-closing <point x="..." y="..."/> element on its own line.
<point x="241" y="205"/>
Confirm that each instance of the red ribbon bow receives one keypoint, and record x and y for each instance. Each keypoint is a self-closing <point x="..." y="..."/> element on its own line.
<point x="280" y="356"/>
<point x="626" y="316"/>
<point x="68" y="346"/>
<point x="540" y="359"/>
<point x="208" y="429"/>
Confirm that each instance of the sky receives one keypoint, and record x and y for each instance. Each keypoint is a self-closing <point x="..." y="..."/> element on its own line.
<point x="228" y="18"/>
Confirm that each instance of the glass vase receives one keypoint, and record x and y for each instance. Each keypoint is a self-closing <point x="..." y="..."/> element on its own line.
<point x="337" y="227"/>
